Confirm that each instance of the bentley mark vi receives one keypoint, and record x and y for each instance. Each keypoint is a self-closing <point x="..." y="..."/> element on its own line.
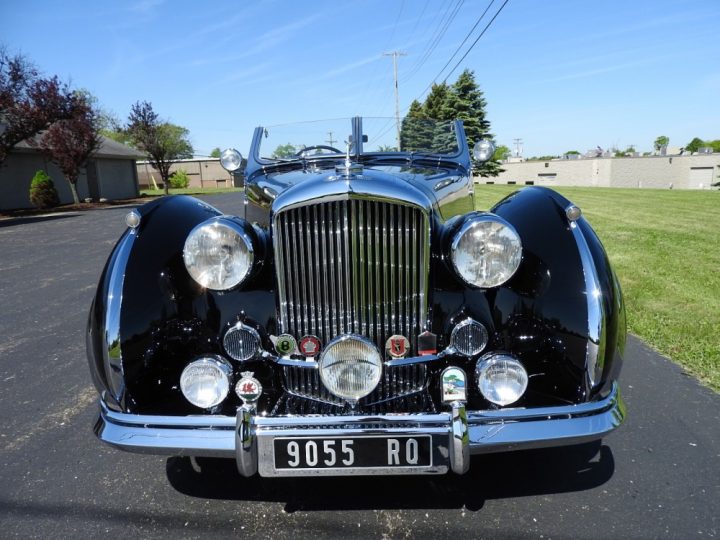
<point x="356" y="314"/>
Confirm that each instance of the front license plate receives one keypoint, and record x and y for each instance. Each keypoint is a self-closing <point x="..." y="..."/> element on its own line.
<point x="353" y="452"/>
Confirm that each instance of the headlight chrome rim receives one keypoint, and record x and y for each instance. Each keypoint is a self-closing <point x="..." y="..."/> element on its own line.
<point x="224" y="371"/>
<point x="460" y="326"/>
<point x="482" y="375"/>
<point x="200" y="274"/>
<point x="481" y="221"/>
<point x="370" y="385"/>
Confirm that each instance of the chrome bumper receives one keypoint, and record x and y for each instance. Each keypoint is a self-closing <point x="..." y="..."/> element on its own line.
<point x="456" y="434"/>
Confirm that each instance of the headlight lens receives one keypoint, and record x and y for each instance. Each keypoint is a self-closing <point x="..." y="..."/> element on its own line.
<point x="486" y="251"/>
<point x="218" y="254"/>
<point x="231" y="159"/>
<point x="205" y="382"/>
<point x="350" y="367"/>
<point x="501" y="378"/>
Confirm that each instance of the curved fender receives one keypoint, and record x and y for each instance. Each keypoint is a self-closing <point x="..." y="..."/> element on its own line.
<point x="164" y="318"/>
<point x="565" y="281"/>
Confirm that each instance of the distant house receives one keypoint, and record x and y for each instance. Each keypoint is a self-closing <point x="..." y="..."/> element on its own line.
<point x="202" y="172"/>
<point x="110" y="174"/>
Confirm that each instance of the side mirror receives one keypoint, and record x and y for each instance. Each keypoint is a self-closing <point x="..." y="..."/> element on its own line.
<point x="483" y="150"/>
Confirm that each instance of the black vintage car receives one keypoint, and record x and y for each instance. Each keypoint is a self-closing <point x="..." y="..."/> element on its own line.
<point x="357" y="315"/>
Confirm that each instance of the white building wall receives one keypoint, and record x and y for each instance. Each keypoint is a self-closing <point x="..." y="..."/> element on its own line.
<point x="682" y="172"/>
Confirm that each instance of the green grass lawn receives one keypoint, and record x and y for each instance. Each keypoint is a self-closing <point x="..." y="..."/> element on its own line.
<point x="188" y="191"/>
<point x="665" y="247"/>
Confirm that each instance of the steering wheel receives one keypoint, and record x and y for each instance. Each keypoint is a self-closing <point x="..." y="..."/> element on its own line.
<point x="317" y="147"/>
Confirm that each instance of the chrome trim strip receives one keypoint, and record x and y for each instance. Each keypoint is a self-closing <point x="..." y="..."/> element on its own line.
<point x="595" y="348"/>
<point x="488" y="431"/>
<point x="459" y="439"/>
<point x="112" y="353"/>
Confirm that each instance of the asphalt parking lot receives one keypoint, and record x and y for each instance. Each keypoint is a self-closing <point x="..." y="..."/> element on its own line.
<point x="658" y="476"/>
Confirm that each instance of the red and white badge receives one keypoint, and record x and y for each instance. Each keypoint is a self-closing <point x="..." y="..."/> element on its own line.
<point x="310" y="346"/>
<point x="248" y="388"/>
<point x="397" y="346"/>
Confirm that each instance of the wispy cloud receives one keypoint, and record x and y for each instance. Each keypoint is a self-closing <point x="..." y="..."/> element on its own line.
<point x="145" y="6"/>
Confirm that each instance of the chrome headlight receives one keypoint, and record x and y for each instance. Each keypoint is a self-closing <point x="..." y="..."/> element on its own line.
<point x="206" y="382"/>
<point x="231" y="160"/>
<point x="350" y="367"/>
<point x="501" y="378"/>
<point x="218" y="254"/>
<point x="486" y="251"/>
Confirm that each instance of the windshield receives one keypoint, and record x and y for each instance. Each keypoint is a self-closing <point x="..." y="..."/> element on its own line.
<point x="330" y="137"/>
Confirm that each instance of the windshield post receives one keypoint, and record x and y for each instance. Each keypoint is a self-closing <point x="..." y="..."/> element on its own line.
<point x="357" y="134"/>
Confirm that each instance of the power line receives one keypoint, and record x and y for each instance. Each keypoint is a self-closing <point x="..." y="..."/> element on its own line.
<point x="435" y="41"/>
<point x="464" y="40"/>
<point x="476" y="40"/>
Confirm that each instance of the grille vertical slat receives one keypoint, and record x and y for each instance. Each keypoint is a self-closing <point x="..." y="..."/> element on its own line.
<point x="352" y="267"/>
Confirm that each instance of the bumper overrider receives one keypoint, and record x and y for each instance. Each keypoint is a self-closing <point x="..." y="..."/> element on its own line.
<point x="340" y="445"/>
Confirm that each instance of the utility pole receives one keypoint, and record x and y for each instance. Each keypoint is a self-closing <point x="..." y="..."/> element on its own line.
<point x="518" y="147"/>
<point x="395" y="55"/>
<point x="330" y="139"/>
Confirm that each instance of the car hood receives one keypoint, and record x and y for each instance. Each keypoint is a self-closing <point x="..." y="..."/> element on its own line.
<point x="424" y="187"/>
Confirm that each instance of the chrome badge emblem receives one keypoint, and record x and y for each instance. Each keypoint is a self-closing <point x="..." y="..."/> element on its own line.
<point x="248" y="388"/>
<point x="309" y="346"/>
<point x="285" y="345"/>
<point x="453" y="385"/>
<point x="397" y="346"/>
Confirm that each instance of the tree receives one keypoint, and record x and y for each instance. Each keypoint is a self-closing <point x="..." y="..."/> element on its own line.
<point x="502" y="152"/>
<point x="162" y="141"/>
<point x="284" y="151"/>
<point x="215" y="152"/>
<point x="662" y="140"/>
<point x="29" y="103"/>
<point x="69" y="143"/>
<point x="434" y="106"/>
<point x="715" y="145"/>
<point x="387" y="148"/>
<point x="416" y="132"/>
<point x="572" y="153"/>
<point x="465" y="101"/>
<point x="694" y="145"/>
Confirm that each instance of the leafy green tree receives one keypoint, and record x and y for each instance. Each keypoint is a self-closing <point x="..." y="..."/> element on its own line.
<point x="387" y="148"/>
<point x="284" y="151"/>
<point x="162" y="141"/>
<point x="715" y="145"/>
<point x="215" y="152"/>
<point x="572" y="153"/>
<point x="662" y="140"/>
<point x="502" y="152"/>
<point x="694" y="145"/>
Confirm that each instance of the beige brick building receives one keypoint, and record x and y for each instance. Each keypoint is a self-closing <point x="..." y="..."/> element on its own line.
<point x="203" y="173"/>
<point x="679" y="172"/>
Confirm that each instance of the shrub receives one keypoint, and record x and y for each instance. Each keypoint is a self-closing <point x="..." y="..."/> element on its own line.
<point x="179" y="179"/>
<point x="42" y="191"/>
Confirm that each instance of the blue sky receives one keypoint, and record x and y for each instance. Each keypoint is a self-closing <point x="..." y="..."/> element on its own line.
<point x="561" y="75"/>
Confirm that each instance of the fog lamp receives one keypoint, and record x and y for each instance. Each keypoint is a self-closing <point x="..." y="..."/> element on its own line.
<point x="350" y="367"/>
<point x="241" y="342"/>
<point x="469" y="337"/>
<point x="501" y="378"/>
<point x="206" y="382"/>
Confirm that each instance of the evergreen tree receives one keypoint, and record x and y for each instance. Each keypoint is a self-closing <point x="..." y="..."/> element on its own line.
<point x="415" y="132"/>
<point x="464" y="101"/>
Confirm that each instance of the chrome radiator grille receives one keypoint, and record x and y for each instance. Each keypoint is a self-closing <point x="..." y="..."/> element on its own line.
<point x="352" y="267"/>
